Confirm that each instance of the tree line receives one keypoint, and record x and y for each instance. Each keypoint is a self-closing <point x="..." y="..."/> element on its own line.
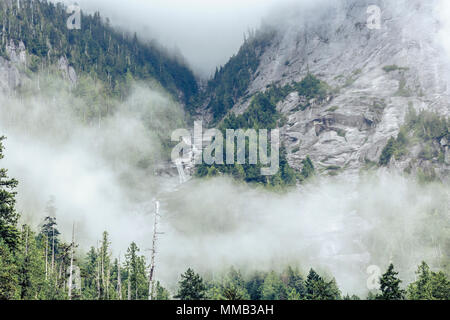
<point x="39" y="265"/>
<point x="97" y="49"/>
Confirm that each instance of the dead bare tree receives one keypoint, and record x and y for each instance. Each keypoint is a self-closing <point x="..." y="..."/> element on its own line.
<point x="72" y="249"/>
<point x="153" y="251"/>
<point x="119" y="281"/>
<point x="53" y="247"/>
<point x="129" y="285"/>
<point x="46" y="257"/>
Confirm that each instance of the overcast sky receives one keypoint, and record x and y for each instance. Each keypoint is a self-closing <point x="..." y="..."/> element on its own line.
<point x="207" y="32"/>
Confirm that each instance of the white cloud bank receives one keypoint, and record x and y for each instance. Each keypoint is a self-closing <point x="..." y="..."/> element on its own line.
<point x="206" y="32"/>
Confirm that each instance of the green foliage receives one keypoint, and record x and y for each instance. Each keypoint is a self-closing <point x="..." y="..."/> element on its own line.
<point x="232" y="287"/>
<point x="262" y="114"/>
<point x="97" y="49"/>
<point x="391" y="68"/>
<point x="246" y="172"/>
<point x="388" y="151"/>
<point x="273" y="288"/>
<point x="429" y="285"/>
<point x="9" y="273"/>
<point x="422" y="128"/>
<point x="191" y="286"/>
<point x="32" y="282"/>
<point x="308" y="168"/>
<point x="161" y="292"/>
<point x="332" y="109"/>
<point x="317" y="288"/>
<point x="427" y="125"/>
<point x="311" y="88"/>
<point x="231" y="81"/>
<point x="254" y="285"/>
<point x="352" y="297"/>
<point x="390" y="285"/>
<point x="8" y="214"/>
<point x="89" y="275"/>
<point x="136" y="274"/>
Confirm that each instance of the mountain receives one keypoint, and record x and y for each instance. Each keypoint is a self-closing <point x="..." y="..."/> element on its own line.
<point x="88" y="116"/>
<point x="387" y="97"/>
<point x="35" y="36"/>
<point x="345" y="96"/>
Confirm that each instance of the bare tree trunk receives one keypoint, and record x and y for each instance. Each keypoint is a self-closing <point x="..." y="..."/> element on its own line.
<point x="46" y="257"/>
<point x="98" y="275"/>
<point x="71" y="261"/>
<point x="108" y="274"/>
<point x="119" y="281"/>
<point x="53" y="247"/>
<point x="152" y="264"/>
<point x="129" y="285"/>
<point x="102" y="269"/>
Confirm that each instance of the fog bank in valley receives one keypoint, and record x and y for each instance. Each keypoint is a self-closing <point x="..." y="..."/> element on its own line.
<point x="101" y="171"/>
<point x="97" y="174"/>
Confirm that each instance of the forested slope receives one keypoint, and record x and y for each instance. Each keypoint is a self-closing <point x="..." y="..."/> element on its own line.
<point x="96" y="49"/>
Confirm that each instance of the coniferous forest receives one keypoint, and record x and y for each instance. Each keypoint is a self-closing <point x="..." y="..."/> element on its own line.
<point x="39" y="265"/>
<point x="38" y="262"/>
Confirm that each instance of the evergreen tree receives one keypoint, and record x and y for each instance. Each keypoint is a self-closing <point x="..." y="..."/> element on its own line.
<point x="440" y="286"/>
<point x="429" y="285"/>
<point x="421" y="289"/>
<point x="161" y="292"/>
<point x="191" y="286"/>
<point x="295" y="281"/>
<point x="388" y="151"/>
<point x="390" y="285"/>
<point x="319" y="289"/>
<point x="30" y="262"/>
<point x="308" y="168"/>
<point x="89" y="275"/>
<point x="273" y="288"/>
<point x="234" y="286"/>
<point x="294" y="295"/>
<point x="9" y="273"/>
<point x="254" y="285"/>
<point x="96" y="49"/>
<point x="8" y="214"/>
<point x="105" y="268"/>
<point x="137" y="280"/>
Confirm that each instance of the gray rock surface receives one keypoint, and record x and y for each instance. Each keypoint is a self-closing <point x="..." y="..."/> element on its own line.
<point x="369" y="104"/>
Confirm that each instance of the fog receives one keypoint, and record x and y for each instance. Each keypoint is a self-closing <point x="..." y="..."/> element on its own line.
<point x="206" y="32"/>
<point x="443" y="12"/>
<point x="101" y="172"/>
<point x="94" y="171"/>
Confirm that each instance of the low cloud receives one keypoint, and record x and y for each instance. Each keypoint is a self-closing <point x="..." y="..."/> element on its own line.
<point x="206" y="32"/>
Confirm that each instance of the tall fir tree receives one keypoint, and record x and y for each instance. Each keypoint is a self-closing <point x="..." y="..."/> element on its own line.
<point x="390" y="285"/>
<point x="9" y="233"/>
<point x="191" y="286"/>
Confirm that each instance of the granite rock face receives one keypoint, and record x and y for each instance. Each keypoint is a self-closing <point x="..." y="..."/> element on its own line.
<point x="367" y="102"/>
<point x="68" y="71"/>
<point x="10" y="76"/>
<point x="13" y="68"/>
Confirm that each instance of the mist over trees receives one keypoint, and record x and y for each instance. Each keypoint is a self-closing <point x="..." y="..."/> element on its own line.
<point x="36" y="263"/>
<point x="97" y="49"/>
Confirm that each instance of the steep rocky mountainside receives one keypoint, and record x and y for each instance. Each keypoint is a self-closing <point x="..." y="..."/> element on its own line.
<point x="374" y="77"/>
<point x="35" y="37"/>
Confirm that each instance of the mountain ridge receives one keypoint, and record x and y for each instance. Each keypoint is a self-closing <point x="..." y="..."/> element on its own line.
<point x="375" y="76"/>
